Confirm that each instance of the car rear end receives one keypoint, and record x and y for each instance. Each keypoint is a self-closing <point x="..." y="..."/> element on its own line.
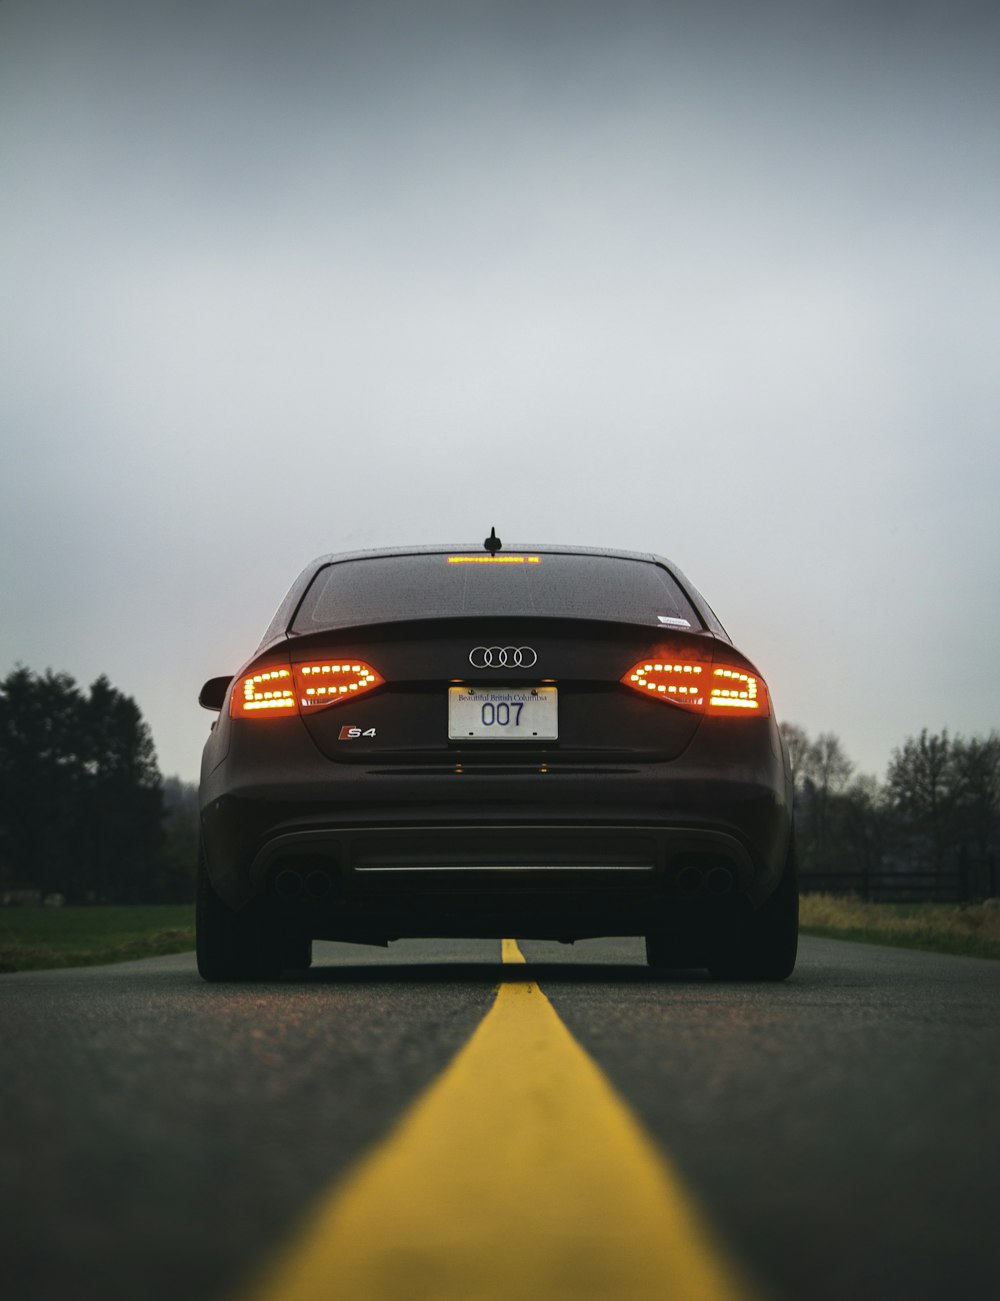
<point x="551" y="744"/>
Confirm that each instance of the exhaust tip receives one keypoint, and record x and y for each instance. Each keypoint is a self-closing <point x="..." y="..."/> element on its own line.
<point x="688" y="880"/>
<point x="288" y="884"/>
<point x="719" y="881"/>
<point x="318" y="885"/>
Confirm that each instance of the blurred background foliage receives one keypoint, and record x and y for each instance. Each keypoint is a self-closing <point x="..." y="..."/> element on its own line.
<point x="929" y="829"/>
<point x="85" y="816"/>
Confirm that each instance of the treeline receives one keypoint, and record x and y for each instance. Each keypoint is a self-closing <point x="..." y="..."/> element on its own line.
<point x="84" y="812"/>
<point x="936" y="813"/>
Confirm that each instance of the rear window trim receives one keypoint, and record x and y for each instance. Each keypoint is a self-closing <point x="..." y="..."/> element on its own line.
<point x="698" y="625"/>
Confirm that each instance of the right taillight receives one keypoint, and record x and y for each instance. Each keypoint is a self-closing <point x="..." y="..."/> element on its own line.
<point x="737" y="691"/>
<point x="702" y="688"/>
<point x="680" y="682"/>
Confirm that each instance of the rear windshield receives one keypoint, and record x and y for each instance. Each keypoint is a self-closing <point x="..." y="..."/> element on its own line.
<point x="387" y="589"/>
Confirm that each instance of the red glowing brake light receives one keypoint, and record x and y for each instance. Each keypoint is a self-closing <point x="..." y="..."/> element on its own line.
<point x="702" y="688"/>
<point x="280" y="690"/>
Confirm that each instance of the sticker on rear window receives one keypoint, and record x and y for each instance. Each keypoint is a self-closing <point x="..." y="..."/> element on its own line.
<point x="674" y="621"/>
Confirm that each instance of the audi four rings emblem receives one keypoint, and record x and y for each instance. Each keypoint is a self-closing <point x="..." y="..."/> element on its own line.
<point x="502" y="657"/>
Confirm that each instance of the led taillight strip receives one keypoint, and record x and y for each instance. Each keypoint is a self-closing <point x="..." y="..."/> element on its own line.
<point x="701" y="688"/>
<point x="326" y="683"/>
<point x="742" y="691"/>
<point x="668" y="679"/>
<point x="284" y="689"/>
<point x="270" y="690"/>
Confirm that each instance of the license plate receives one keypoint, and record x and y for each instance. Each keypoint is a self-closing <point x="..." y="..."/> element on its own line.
<point x="502" y="714"/>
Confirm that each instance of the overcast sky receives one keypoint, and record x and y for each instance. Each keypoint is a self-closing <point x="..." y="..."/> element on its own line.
<point x="715" y="280"/>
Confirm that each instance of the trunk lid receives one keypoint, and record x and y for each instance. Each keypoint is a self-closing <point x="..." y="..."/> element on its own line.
<point x="406" y="719"/>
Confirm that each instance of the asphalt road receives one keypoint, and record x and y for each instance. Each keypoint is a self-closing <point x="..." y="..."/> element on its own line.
<point x="841" y="1130"/>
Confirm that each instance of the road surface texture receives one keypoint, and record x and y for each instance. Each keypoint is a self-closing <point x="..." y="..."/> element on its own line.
<point x="837" y="1135"/>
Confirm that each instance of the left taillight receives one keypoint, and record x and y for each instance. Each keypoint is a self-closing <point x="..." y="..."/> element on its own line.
<point x="327" y="682"/>
<point x="279" y="690"/>
<point x="268" y="693"/>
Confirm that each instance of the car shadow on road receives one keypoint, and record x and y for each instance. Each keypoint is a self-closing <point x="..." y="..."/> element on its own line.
<point x="491" y="973"/>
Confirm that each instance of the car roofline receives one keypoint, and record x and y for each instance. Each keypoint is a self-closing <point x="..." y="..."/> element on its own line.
<point x="281" y="622"/>
<point x="473" y="548"/>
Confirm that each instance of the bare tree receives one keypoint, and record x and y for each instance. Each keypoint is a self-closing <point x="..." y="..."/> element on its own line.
<point x="827" y="766"/>
<point x="862" y="810"/>
<point x="977" y="781"/>
<point x="826" y="770"/>
<point x="797" y="744"/>
<point x="923" y="784"/>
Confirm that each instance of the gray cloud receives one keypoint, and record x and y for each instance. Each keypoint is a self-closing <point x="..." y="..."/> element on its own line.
<point x="715" y="280"/>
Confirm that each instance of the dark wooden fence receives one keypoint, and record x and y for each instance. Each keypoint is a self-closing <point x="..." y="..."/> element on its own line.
<point x="969" y="881"/>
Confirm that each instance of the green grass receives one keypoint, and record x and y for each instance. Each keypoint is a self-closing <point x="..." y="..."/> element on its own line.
<point x="969" y="929"/>
<point x="35" y="938"/>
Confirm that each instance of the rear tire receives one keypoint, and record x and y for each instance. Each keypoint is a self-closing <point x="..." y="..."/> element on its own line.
<point x="766" y="944"/>
<point x="232" y="945"/>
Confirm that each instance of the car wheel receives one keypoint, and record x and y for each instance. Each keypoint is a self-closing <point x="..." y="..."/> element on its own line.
<point x="231" y="945"/>
<point x="765" y="946"/>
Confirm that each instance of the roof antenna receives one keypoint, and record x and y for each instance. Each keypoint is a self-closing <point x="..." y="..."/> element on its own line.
<point x="493" y="543"/>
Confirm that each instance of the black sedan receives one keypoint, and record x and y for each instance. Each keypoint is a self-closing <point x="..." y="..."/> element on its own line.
<point x="544" y="743"/>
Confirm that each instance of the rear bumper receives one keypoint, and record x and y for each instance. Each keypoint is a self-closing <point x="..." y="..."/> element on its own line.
<point x="365" y="853"/>
<point x="560" y="882"/>
<point x="546" y="849"/>
<point x="352" y="877"/>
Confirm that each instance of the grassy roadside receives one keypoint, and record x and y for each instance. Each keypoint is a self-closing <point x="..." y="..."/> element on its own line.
<point x="32" y="939"/>
<point x="972" y="929"/>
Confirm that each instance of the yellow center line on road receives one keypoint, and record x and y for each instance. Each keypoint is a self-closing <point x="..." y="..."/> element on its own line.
<point x="519" y="1174"/>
